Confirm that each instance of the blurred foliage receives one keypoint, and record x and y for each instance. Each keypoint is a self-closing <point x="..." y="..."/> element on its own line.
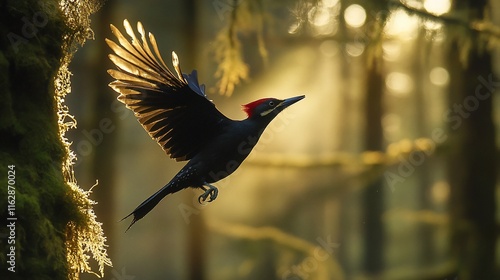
<point x="471" y="33"/>
<point x="319" y="254"/>
<point x="244" y="17"/>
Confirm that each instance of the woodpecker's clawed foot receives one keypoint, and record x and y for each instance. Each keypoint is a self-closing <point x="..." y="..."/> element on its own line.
<point x="209" y="191"/>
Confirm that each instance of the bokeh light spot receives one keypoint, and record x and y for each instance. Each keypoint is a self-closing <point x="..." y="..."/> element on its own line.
<point x="399" y="83"/>
<point x="354" y="49"/>
<point x="437" y="7"/>
<point x="355" y="16"/>
<point x="402" y="25"/>
<point x="439" y="76"/>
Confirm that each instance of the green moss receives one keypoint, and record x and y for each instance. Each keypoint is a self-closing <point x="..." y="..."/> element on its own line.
<point x="54" y="217"/>
<point x="30" y="141"/>
<point x="6" y="112"/>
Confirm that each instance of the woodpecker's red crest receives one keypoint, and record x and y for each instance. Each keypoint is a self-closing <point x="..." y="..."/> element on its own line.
<point x="258" y="106"/>
<point x="269" y="107"/>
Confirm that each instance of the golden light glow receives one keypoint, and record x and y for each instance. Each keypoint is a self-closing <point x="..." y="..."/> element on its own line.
<point x="355" y="16"/>
<point x="294" y="27"/>
<point x="319" y="16"/>
<point x="437" y="7"/>
<point x="399" y="83"/>
<point x="391" y="50"/>
<point x="402" y="25"/>
<point x="391" y="124"/>
<point x="439" y="76"/>
<point x="440" y="192"/>
<point x="323" y="18"/>
<point x="329" y="48"/>
<point x="329" y="3"/>
<point x="354" y="49"/>
<point x="432" y="25"/>
<point x="415" y="4"/>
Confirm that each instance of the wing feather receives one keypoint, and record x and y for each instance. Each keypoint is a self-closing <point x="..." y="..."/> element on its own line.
<point x="173" y="110"/>
<point x="152" y="39"/>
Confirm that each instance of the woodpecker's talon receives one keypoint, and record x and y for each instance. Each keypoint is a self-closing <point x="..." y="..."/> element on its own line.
<point x="210" y="191"/>
<point x="202" y="199"/>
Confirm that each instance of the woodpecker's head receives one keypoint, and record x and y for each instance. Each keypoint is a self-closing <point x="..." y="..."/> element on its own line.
<point x="268" y="107"/>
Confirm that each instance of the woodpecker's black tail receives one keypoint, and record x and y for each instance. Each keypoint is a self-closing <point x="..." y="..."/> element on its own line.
<point x="150" y="203"/>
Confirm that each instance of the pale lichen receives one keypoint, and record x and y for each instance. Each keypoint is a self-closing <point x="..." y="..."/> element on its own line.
<point x="84" y="236"/>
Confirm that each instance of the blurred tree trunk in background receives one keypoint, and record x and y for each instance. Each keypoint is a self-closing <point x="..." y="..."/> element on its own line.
<point x="344" y="134"/>
<point x="424" y="172"/>
<point x="472" y="172"/>
<point x="472" y="158"/>
<point x="348" y="125"/>
<point x="100" y="96"/>
<point x="197" y="229"/>
<point x="373" y="195"/>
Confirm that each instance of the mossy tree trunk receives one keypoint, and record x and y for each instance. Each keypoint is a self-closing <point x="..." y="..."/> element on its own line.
<point x="50" y="227"/>
<point x="30" y="55"/>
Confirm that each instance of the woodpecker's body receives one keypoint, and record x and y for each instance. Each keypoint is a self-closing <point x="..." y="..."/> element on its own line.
<point x="176" y="113"/>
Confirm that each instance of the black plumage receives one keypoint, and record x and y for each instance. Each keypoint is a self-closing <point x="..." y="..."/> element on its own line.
<point x="175" y="111"/>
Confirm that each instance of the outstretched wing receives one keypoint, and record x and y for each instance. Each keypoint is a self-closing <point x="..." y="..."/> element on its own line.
<point x="173" y="110"/>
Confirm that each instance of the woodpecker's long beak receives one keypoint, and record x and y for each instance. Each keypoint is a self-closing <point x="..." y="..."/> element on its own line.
<point x="289" y="101"/>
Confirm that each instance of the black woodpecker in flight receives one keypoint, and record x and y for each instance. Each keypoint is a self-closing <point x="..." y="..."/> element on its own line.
<point x="175" y="111"/>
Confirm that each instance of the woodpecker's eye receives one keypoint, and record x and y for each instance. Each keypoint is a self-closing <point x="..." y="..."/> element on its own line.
<point x="271" y="103"/>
